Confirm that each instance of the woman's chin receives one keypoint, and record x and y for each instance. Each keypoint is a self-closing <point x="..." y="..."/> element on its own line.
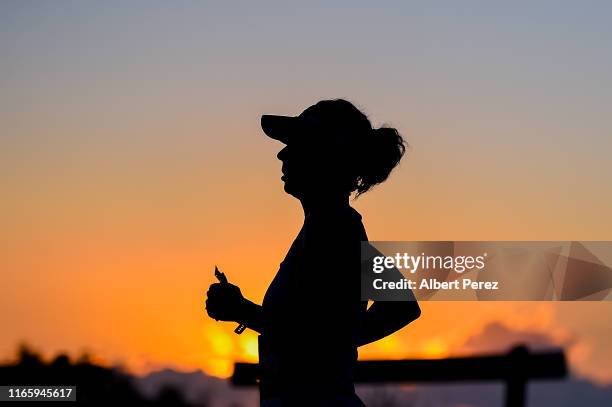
<point x="290" y="189"/>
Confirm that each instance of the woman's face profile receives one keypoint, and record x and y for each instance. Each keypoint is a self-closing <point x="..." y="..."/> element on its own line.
<point x="294" y="170"/>
<point x="304" y="170"/>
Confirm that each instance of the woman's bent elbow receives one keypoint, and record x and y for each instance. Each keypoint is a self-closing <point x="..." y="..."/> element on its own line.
<point x="414" y="311"/>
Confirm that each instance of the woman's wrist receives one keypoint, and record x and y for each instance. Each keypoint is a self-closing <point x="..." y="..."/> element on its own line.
<point x="250" y="315"/>
<point x="246" y="311"/>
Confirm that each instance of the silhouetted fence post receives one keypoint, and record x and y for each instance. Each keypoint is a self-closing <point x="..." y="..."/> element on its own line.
<point x="515" y="369"/>
<point x="516" y="380"/>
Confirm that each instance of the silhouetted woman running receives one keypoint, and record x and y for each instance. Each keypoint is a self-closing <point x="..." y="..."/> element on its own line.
<point x="313" y="318"/>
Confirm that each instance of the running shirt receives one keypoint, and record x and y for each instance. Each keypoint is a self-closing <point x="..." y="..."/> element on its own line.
<point x="312" y="310"/>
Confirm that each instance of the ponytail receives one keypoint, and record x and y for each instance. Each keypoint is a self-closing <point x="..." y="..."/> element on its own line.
<point x="382" y="152"/>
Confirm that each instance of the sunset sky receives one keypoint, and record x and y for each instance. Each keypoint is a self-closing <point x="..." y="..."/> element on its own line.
<point x="132" y="162"/>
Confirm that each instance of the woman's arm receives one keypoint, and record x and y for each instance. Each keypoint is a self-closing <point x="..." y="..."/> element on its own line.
<point x="252" y="316"/>
<point x="385" y="317"/>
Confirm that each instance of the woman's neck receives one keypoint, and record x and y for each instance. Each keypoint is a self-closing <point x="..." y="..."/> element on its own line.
<point x="327" y="201"/>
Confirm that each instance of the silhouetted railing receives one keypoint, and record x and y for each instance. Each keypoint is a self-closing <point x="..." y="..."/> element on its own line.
<point x="515" y="368"/>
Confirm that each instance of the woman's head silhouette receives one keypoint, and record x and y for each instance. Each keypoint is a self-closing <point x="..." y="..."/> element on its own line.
<point x="332" y="149"/>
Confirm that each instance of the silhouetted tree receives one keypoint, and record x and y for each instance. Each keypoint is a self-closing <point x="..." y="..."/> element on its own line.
<point x="96" y="385"/>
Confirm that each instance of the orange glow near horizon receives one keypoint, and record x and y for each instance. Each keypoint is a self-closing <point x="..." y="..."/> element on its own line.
<point x="122" y="273"/>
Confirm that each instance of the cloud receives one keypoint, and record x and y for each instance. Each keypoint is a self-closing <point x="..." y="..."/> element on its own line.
<point x="496" y="337"/>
